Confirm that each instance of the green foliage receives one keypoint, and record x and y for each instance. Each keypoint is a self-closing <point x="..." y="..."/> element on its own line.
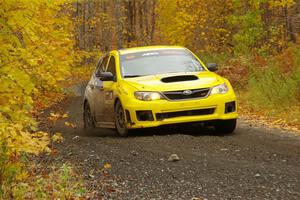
<point x="10" y="170"/>
<point x="254" y="29"/>
<point x="247" y="24"/>
<point x="273" y="88"/>
<point x="234" y="26"/>
<point x="276" y="86"/>
<point x="61" y="183"/>
<point x="220" y="59"/>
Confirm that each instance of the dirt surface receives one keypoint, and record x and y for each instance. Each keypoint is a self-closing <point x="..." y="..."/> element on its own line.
<point x="252" y="163"/>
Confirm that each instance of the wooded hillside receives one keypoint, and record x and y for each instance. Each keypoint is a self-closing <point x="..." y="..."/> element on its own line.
<point x="256" y="42"/>
<point x="214" y="26"/>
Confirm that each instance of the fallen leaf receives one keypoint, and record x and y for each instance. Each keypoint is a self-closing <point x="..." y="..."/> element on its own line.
<point x="107" y="166"/>
<point x="57" y="137"/>
<point x="69" y="124"/>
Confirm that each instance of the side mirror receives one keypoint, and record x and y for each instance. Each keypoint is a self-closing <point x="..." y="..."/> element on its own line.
<point x="106" y="76"/>
<point x="212" y="67"/>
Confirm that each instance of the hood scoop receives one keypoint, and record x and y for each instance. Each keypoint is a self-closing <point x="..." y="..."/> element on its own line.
<point x="180" y="78"/>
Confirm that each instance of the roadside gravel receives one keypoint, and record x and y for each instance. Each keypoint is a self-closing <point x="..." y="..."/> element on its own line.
<point x="253" y="163"/>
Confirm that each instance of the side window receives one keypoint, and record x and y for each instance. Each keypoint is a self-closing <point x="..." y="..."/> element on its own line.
<point x="97" y="71"/>
<point x="99" y="62"/>
<point x="101" y="65"/>
<point x="112" y="65"/>
<point x="104" y="63"/>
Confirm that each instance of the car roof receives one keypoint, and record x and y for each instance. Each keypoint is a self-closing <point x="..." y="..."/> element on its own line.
<point x="146" y="48"/>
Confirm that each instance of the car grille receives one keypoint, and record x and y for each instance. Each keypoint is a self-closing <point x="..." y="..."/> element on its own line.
<point x="162" y="116"/>
<point x="187" y="94"/>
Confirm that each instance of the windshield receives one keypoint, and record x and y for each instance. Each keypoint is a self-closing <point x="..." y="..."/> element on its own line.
<point x="159" y="62"/>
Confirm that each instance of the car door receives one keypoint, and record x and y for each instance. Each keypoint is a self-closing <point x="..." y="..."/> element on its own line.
<point x="89" y="93"/>
<point x="109" y="95"/>
<point x="98" y="91"/>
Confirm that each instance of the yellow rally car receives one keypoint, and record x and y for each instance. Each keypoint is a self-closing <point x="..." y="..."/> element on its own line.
<point x="160" y="85"/>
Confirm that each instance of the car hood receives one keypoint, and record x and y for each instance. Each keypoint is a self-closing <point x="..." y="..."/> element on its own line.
<point x="175" y="81"/>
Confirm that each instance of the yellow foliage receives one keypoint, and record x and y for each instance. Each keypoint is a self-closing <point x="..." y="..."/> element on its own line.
<point x="36" y="56"/>
<point x="69" y="124"/>
<point x="194" y="23"/>
<point x="57" y="137"/>
<point x="281" y="3"/>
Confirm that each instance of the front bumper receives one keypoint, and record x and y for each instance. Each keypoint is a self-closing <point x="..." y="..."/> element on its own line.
<point x="196" y="110"/>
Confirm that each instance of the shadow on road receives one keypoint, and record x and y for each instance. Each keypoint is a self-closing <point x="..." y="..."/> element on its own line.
<point x="193" y="130"/>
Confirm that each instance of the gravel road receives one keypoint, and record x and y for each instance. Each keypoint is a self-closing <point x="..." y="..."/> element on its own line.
<point x="252" y="163"/>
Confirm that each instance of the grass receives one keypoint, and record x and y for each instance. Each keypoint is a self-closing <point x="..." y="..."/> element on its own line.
<point x="268" y="86"/>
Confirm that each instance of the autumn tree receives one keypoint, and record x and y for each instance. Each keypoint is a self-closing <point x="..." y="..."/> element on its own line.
<point x="35" y="58"/>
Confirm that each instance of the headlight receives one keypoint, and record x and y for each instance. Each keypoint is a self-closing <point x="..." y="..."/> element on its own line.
<point x="219" y="89"/>
<point x="148" y="96"/>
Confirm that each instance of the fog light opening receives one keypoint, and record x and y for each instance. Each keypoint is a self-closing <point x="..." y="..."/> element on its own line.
<point x="230" y="107"/>
<point x="144" y="115"/>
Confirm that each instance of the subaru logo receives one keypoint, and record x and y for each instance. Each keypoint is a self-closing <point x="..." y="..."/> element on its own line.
<point x="187" y="92"/>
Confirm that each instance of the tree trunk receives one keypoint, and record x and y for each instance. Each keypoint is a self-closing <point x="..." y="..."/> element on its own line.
<point x="153" y="17"/>
<point x="119" y="28"/>
<point x="145" y="8"/>
<point x="141" y="23"/>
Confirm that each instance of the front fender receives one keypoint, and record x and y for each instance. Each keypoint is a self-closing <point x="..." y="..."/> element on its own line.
<point x="124" y="93"/>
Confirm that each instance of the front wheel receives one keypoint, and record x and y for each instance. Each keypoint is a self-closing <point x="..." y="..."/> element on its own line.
<point x="120" y="120"/>
<point x="88" y="120"/>
<point x="225" y="126"/>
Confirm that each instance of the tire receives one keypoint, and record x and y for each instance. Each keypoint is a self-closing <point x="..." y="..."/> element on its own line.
<point x="120" y="120"/>
<point x="224" y="127"/>
<point x="88" y="120"/>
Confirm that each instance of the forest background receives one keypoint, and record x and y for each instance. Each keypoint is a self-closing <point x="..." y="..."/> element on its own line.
<point x="47" y="46"/>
